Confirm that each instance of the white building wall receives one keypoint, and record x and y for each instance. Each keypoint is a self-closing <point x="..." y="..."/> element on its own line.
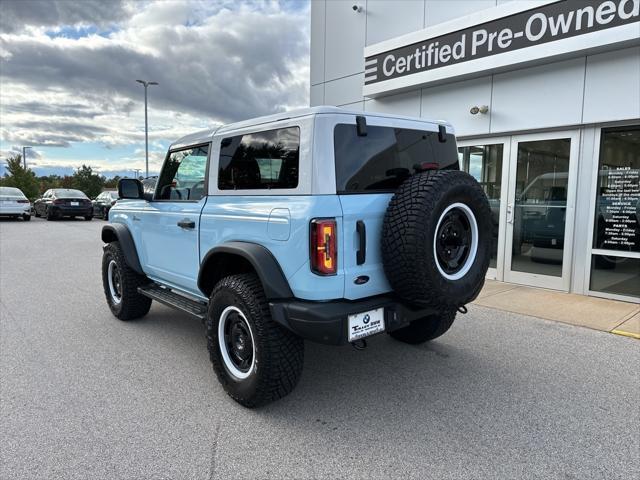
<point x="570" y="92"/>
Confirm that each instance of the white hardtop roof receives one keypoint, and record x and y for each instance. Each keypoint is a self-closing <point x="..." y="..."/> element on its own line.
<point x="204" y="136"/>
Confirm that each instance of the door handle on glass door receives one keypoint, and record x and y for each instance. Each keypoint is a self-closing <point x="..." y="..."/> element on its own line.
<point x="510" y="213"/>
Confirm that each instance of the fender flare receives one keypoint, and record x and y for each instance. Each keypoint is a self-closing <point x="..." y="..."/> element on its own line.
<point x="273" y="281"/>
<point x="120" y="233"/>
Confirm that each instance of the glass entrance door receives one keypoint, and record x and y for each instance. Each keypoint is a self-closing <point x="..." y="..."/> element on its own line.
<point x="540" y="209"/>
<point x="487" y="161"/>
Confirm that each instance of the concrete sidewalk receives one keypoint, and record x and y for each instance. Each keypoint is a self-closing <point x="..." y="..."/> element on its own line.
<point x="612" y="316"/>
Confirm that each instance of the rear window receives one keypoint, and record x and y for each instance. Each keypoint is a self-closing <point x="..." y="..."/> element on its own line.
<point x="261" y="160"/>
<point x="11" y="192"/>
<point x="386" y="156"/>
<point x="68" y="193"/>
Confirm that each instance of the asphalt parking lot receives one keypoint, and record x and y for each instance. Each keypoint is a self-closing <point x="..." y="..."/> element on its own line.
<point x="84" y="395"/>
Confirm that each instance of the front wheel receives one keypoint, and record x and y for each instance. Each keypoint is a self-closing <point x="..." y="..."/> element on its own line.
<point x="255" y="359"/>
<point x="426" y="328"/>
<point x="121" y="283"/>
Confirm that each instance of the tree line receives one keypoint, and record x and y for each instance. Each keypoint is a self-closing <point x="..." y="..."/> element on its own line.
<point x="84" y="179"/>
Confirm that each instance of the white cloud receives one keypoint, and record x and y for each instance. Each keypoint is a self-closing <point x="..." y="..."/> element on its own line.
<point x="215" y="62"/>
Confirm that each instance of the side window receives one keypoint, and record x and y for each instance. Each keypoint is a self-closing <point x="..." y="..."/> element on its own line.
<point x="183" y="175"/>
<point x="261" y="160"/>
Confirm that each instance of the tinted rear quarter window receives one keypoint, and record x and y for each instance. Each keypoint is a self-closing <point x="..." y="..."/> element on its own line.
<point x="261" y="160"/>
<point x="383" y="159"/>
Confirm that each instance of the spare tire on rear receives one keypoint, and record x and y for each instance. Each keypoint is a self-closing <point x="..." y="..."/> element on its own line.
<point x="436" y="239"/>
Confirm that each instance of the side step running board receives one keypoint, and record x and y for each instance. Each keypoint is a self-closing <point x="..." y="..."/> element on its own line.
<point x="175" y="300"/>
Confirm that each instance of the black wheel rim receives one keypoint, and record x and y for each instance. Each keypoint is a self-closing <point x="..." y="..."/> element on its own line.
<point x="453" y="241"/>
<point x="115" y="281"/>
<point x="238" y="342"/>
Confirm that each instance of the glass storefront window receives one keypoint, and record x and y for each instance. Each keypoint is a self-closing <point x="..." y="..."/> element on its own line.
<point x="484" y="163"/>
<point x="617" y="214"/>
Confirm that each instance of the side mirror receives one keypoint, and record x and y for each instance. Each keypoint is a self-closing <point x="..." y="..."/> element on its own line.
<point x="130" y="188"/>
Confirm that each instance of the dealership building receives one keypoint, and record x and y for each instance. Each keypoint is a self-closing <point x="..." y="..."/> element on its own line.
<point x="545" y="100"/>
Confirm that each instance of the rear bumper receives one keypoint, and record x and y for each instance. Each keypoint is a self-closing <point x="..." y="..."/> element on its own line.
<point x="327" y="322"/>
<point x="72" y="211"/>
<point x="15" y="209"/>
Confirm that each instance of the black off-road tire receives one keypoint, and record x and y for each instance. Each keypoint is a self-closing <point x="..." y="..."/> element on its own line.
<point x="278" y="354"/>
<point x="408" y="237"/>
<point x="425" y="329"/>
<point x="132" y="304"/>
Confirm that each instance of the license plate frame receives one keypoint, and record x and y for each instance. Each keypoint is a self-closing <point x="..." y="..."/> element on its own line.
<point x="365" y="324"/>
<point x="75" y="204"/>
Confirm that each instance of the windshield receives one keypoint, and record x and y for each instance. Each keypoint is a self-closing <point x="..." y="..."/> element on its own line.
<point x="383" y="159"/>
<point x="68" y="193"/>
<point x="11" y="192"/>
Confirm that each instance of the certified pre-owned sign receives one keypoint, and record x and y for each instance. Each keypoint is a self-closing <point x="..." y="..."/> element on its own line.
<point x="497" y="38"/>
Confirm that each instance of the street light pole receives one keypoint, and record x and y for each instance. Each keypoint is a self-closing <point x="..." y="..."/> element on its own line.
<point x="146" y="124"/>
<point x="24" y="156"/>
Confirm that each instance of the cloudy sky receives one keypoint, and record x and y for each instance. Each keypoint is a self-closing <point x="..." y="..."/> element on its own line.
<point x="68" y="71"/>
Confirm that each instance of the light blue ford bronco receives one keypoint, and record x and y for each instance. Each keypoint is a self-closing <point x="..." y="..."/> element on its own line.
<point x="320" y="224"/>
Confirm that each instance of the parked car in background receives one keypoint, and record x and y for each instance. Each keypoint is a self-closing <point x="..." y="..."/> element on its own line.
<point x="149" y="186"/>
<point x="14" y="203"/>
<point x="63" y="202"/>
<point x="103" y="203"/>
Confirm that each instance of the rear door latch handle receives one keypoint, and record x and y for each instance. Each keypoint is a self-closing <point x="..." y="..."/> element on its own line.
<point x="187" y="223"/>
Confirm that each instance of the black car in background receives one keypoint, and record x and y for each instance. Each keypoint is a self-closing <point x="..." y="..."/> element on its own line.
<point x="63" y="202"/>
<point x="103" y="203"/>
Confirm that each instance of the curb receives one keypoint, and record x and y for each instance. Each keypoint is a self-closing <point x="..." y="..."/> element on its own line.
<point x="626" y="334"/>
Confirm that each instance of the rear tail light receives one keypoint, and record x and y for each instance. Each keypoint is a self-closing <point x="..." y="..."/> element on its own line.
<point x="24" y="200"/>
<point x="58" y="202"/>
<point x="324" y="254"/>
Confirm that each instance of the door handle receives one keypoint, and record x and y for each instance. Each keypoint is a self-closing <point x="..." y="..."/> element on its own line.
<point x="187" y="223"/>
<point x="135" y="218"/>
<point x="510" y="213"/>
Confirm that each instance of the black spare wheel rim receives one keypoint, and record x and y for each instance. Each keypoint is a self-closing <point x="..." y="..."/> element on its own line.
<point x="236" y="342"/>
<point x="456" y="241"/>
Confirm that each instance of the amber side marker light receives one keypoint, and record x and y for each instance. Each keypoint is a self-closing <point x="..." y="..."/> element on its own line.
<point x="324" y="254"/>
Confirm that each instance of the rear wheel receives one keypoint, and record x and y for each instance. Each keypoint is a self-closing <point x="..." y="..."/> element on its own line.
<point x="121" y="283"/>
<point x="426" y="328"/>
<point x="26" y="217"/>
<point x="255" y="359"/>
<point x="88" y="217"/>
<point x="50" y="214"/>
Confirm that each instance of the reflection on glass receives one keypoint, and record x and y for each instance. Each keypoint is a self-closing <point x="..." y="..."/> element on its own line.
<point x="617" y="213"/>
<point x="484" y="163"/>
<point x="539" y="214"/>
<point x="617" y="275"/>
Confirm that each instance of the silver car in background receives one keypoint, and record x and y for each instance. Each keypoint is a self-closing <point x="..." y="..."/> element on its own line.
<point x="14" y="203"/>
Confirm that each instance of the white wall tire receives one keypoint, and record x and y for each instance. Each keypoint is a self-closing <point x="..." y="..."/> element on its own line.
<point x="469" y="257"/>
<point x="233" y="345"/>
